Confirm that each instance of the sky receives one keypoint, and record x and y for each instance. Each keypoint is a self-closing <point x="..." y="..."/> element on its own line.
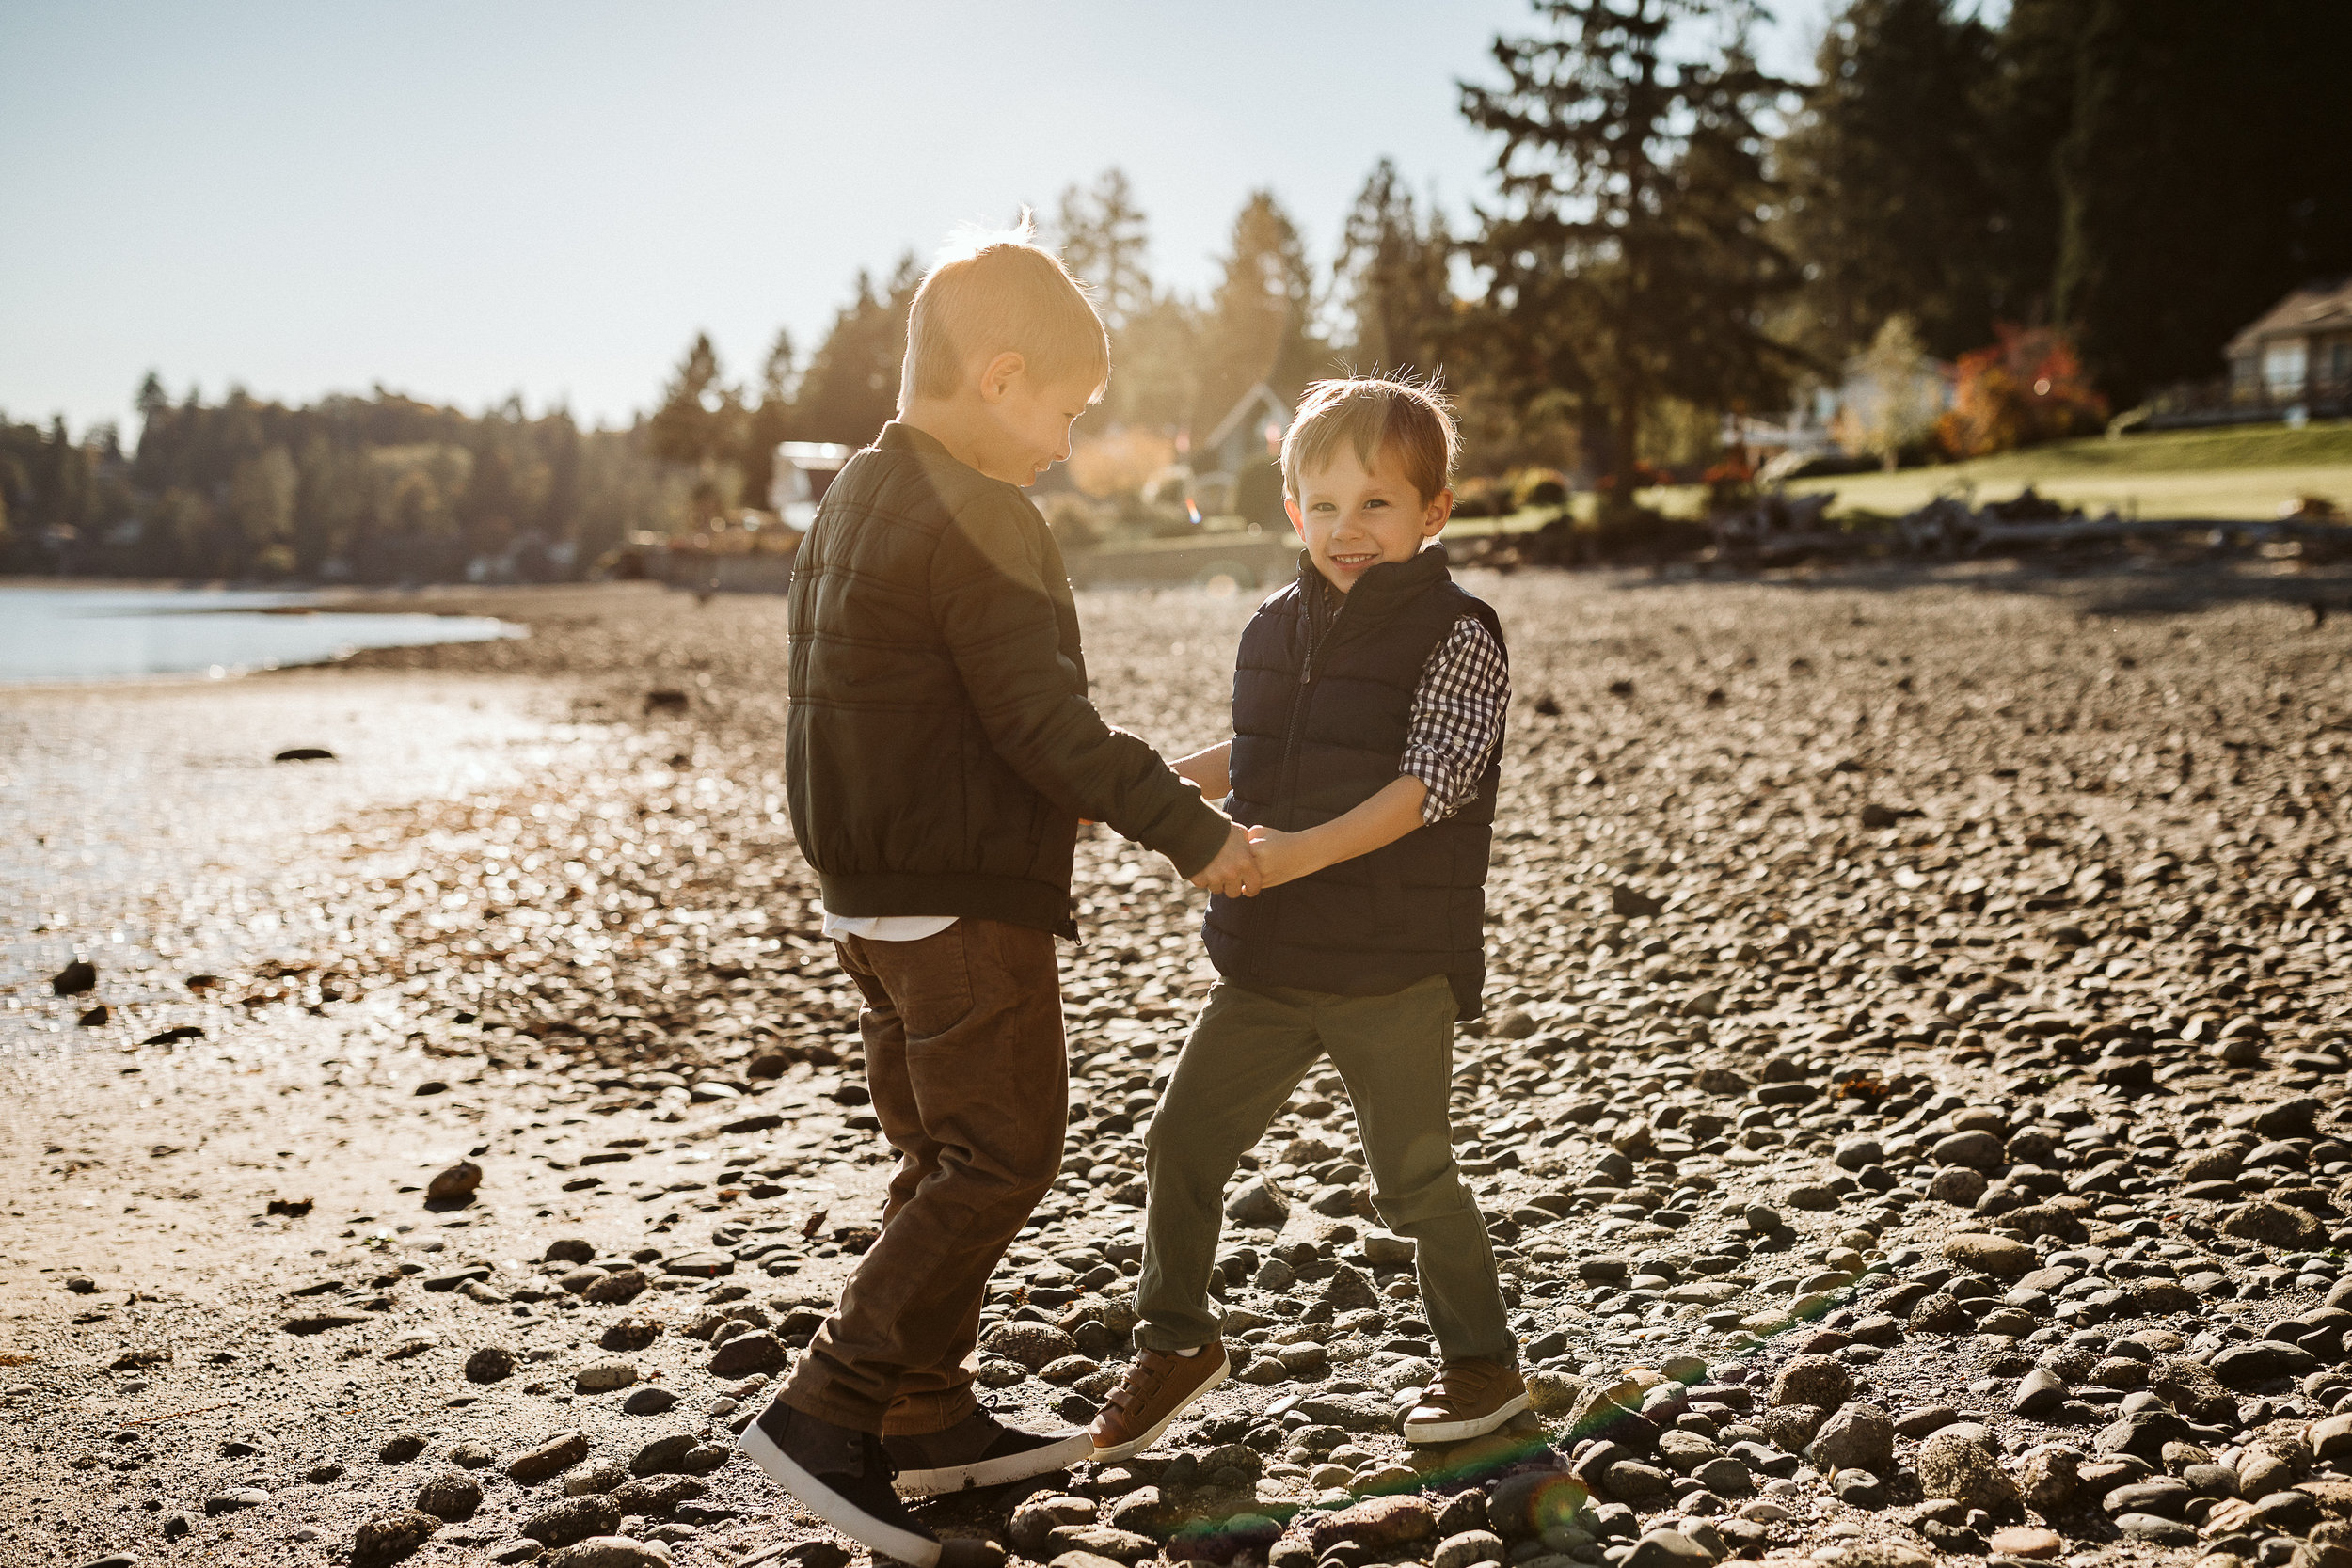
<point x="465" y="201"/>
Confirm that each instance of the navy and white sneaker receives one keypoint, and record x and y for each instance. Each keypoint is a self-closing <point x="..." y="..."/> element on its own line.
<point x="980" y="1451"/>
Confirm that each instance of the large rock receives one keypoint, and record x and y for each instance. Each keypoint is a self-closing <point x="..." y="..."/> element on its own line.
<point x="1858" y="1437"/>
<point x="1348" y="1291"/>
<point x="756" y="1351"/>
<point x="2190" y="1387"/>
<point x="1666" y="1548"/>
<point x="1382" y="1524"/>
<point x="384" y="1539"/>
<point x="2275" y="1224"/>
<point x="2260" y="1361"/>
<point x="606" y="1551"/>
<point x="1955" y="1466"/>
<point x="560" y="1523"/>
<point x="490" y="1364"/>
<point x="1467" y="1549"/>
<point x="451" y="1496"/>
<point x="1993" y="1255"/>
<point x="458" y="1181"/>
<point x="1977" y="1148"/>
<point x="2142" y="1433"/>
<point x="1958" y="1185"/>
<point x="1534" y="1502"/>
<point x="2048" y="1476"/>
<point x="1258" y="1202"/>
<point x="621" y="1284"/>
<point x="1035" y="1346"/>
<point x="557" y="1453"/>
<point x="1552" y="1393"/>
<point x="1818" y="1380"/>
<point x="1039" y="1517"/>
<point x="1792" y="1426"/>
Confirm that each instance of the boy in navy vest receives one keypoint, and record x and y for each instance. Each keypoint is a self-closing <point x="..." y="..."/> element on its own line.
<point x="1368" y="713"/>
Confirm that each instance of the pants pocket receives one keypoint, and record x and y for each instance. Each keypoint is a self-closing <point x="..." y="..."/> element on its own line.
<point x="929" y="982"/>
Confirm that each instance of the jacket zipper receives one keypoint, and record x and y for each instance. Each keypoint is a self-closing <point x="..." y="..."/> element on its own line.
<point x="1298" y="704"/>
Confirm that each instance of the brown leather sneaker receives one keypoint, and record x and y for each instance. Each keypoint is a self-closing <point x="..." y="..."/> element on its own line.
<point x="1153" y="1393"/>
<point x="1468" y="1398"/>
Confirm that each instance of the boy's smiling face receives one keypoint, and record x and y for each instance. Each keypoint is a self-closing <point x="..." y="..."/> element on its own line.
<point x="1352" y="517"/>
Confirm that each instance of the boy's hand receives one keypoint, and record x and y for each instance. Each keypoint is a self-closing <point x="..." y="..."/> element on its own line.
<point x="1281" y="857"/>
<point x="1234" y="872"/>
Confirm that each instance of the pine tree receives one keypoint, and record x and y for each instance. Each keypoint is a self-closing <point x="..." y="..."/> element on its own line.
<point x="1890" y="199"/>
<point x="697" y="422"/>
<point x="2029" y="101"/>
<point x="1105" y="243"/>
<point x="1630" y="254"/>
<point x="768" y="422"/>
<point x="2207" y="171"/>
<point x="851" y="389"/>
<point x="1393" y="269"/>
<point x="1260" y="322"/>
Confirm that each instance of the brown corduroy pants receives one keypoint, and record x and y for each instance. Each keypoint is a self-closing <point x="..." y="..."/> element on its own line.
<point x="965" y="1061"/>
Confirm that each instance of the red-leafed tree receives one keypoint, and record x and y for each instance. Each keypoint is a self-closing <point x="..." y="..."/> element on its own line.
<point x="2025" y="389"/>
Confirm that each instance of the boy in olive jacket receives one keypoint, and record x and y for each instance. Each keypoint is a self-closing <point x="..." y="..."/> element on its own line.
<point x="940" y="752"/>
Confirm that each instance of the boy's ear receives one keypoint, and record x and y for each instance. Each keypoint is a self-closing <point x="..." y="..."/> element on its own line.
<point x="1299" y="525"/>
<point x="998" y="374"/>
<point x="1441" y="509"/>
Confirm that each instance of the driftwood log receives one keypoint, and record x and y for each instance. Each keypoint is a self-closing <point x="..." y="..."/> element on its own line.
<point x="1779" y="528"/>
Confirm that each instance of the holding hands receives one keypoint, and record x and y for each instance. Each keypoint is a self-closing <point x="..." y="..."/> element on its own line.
<point x="1281" y="857"/>
<point x="1234" y="872"/>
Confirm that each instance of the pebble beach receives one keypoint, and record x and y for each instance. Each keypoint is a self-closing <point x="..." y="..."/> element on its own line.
<point x="1910" y="1109"/>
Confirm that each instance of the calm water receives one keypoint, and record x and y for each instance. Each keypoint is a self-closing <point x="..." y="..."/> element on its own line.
<point x="67" y="634"/>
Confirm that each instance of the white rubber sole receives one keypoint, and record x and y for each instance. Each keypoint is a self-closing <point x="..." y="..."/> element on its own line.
<point x="834" y="1509"/>
<point x="1134" y="1445"/>
<point x="1455" y="1432"/>
<point x="1006" y="1468"/>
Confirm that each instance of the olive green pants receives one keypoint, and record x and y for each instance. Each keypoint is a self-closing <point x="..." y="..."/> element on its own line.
<point x="1248" y="1050"/>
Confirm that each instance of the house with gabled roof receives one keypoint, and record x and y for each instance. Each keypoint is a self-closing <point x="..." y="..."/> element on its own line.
<point x="2298" y="352"/>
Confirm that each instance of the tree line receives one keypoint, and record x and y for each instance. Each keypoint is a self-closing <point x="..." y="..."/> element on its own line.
<point x="1671" y="234"/>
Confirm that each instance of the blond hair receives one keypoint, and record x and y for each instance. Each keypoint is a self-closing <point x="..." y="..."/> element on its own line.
<point x="1375" y="414"/>
<point x="997" y="292"/>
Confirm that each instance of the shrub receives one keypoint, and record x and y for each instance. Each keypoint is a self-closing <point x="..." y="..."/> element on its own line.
<point x="2026" y="389"/>
<point x="1539" y="487"/>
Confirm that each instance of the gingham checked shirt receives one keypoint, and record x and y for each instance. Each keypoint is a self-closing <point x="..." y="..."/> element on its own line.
<point x="1458" y="707"/>
<point x="1456" y="718"/>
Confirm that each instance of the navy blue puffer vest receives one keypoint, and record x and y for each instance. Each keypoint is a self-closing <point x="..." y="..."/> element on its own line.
<point x="1320" y="721"/>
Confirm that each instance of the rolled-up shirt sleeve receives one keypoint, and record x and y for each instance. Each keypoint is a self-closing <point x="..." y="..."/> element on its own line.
<point x="1456" y="718"/>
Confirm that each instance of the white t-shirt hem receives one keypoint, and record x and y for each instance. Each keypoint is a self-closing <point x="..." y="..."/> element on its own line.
<point x="885" y="927"/>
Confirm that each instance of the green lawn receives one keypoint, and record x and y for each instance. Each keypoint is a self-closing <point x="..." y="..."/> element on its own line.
<point x="2241" y="473"/>
<point x="2246" y="472"/>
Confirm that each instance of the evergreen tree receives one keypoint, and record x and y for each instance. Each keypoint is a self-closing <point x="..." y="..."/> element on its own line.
<point x="2029" y="101"/>
<point x="2206" y="172"/>
<point x="1890" y="202"/>
<point x="1260" y="322"/>
<point x="1105" y="243"/>
<point x="768" y="422"/>
<point x="1631" y="251"/>
<point x="698" y="419"/>
<point x="1155" y="367"/>
<point x="851" y="390"/>
<point x="1393" y="269"/>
